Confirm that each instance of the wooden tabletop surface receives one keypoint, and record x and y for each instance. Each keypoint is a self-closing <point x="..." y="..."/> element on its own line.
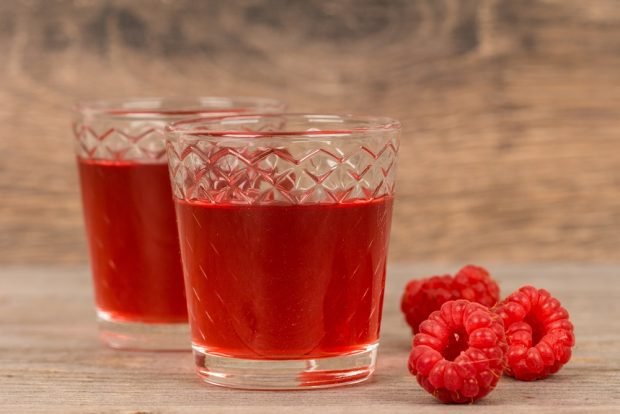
<point x="51" y="360"/>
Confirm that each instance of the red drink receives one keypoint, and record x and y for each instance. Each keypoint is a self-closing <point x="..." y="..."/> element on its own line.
<point x="285" y="281"/>
<point x="134" y="246"/>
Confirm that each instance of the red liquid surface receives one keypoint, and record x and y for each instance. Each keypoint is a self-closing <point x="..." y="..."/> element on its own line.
<point x="133" y="240"/>
<point x="285" y="282"/>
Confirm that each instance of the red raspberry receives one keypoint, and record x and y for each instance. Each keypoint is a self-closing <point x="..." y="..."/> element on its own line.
<point x="475" y="284"/>
<point x="539" y="334"/>
<point x="459" y="354"/>
<point x="424" y="296"/>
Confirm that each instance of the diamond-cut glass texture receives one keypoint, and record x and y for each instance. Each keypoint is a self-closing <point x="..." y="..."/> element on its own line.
<point x="137" y="140"/>
<point x="283" y="169"/>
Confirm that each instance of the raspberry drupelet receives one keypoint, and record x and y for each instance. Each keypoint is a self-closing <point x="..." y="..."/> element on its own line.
<point x="459" y="354"/>
<point x="539" y="333"/>
<point x="423" y="296"/>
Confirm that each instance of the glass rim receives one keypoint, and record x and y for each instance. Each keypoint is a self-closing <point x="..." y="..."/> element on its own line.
<point x="175" y="107"/>
<point x="370" y="125"/>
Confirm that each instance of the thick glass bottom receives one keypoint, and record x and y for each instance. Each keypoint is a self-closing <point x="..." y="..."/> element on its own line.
<point x="285" y="374"/>
<point x="143" y="336"/>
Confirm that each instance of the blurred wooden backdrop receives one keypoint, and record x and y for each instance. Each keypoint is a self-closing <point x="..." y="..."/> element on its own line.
<point x="511" y="108"/>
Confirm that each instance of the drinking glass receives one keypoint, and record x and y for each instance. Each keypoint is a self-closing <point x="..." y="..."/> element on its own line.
<point x="129" y="214"/>
<point x="284" y="223"/>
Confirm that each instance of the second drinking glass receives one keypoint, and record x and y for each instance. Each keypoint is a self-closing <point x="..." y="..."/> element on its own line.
<point x="284" y="223"/>
<point x="129" y="214"/>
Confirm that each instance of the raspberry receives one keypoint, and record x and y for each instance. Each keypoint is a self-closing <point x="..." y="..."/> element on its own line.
<point x="424" y="296"/>
<point x="459" y="354"/>
<point x="475" y="284"/>
<point x="539" y="334"/>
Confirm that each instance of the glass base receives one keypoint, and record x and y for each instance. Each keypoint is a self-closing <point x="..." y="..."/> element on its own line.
<point x="285" y="374"/>
<point x="143" y="336"/>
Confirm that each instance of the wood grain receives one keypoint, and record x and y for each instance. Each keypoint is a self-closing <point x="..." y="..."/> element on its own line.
<point x="51" y="361"/>
<point x="510" y="108"/>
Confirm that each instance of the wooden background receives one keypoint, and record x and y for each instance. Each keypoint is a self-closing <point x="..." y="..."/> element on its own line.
<point x="511" y="108"/>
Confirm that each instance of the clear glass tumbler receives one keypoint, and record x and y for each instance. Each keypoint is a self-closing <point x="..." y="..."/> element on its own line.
<point x="284" y="223"/>
<point x="129" y="214"/>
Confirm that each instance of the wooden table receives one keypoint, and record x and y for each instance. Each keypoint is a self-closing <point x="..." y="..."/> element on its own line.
<point x="51" y="360"/>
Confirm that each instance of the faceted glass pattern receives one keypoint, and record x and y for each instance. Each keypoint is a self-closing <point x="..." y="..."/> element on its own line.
<point x="332" y="160"/>
<point x="121" y="140"/>
<point x="133" y="129"/>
